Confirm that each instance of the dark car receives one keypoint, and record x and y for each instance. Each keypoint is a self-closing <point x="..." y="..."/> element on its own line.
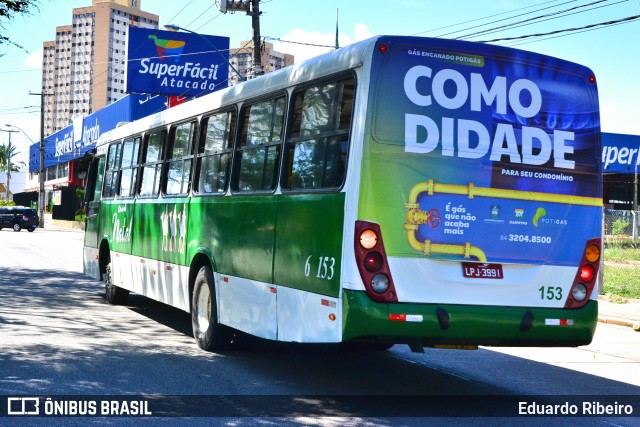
<point x="18" y="217"/>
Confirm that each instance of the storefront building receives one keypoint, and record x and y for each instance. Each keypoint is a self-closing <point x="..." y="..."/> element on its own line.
<point x="63" y="149"/>
<point x="620" y="161"/>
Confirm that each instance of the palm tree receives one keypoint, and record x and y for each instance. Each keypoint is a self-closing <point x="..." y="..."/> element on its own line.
<point x="5" y="155"/>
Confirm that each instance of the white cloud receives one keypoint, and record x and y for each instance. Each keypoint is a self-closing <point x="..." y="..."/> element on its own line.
<point x="618" y="118"/>
<point x="361" y="32"/>
<point x="326" y="40"/>
<point x="34" y="60"/>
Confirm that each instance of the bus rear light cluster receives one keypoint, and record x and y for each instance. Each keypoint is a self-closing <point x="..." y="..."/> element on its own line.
<point x="371" y="259"/>
<point x="586" y="276"/>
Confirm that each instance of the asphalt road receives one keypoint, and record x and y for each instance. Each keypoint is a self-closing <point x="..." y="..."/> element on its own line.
<point x="60" y="339"/>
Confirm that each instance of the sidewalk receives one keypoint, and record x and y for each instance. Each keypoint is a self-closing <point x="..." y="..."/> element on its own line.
<point x="51" y="226"/>
<point x="627" y="314"/>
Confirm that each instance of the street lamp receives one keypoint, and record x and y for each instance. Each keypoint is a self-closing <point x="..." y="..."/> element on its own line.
<point x="172" y="27"/>
<point x="41" y="148"/>
<point x="9" y="148"/>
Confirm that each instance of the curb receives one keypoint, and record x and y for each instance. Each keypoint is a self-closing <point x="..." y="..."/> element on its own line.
<point x="620" y="322"/>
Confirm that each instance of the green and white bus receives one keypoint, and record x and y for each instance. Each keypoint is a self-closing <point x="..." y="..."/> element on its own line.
<point x="430" y="192"/>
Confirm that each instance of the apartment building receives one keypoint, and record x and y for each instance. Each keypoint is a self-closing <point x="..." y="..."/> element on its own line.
<point x="242" y="60"/>
<point x="84" y="68"/>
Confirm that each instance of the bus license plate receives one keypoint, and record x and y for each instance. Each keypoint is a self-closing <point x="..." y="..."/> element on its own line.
<point x="482" y="271"/>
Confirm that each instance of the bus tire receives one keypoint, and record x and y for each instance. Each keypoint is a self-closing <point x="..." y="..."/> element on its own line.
<point x="209" y="334"/>
<point x="115" y="294"/>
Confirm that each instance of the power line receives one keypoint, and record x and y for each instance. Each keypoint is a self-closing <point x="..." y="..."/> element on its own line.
<point x="591" y="26"/>
<point x="504" y="19"/>
<point x="558" y="17"/>
<point x="200" y="15"/>
<point x="565" y="35"/>
<point x="480" y="19"/>
<point x="301" y="43"/>
<point x="217" y="16"/>
<point x="530" y="21"/>
<point x="20" y="71"/>
<point x="180" y="11"/>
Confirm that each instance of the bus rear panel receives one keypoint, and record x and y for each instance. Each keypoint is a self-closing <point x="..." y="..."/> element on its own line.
<point x="480" y="203"/>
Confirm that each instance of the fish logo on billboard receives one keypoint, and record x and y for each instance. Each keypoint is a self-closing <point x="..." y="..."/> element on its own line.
<point x="200" y="63"/>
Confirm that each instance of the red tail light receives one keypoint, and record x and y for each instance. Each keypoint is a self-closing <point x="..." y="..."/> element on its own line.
<point x="371" y="259"/>
<point x="586" y="273"/>
<point x="585" y="279"/>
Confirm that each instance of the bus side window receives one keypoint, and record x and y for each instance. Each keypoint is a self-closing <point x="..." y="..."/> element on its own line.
<point x="129" y="167"/>
<point x="318" y="143"/>
<point x="257" y="154"/>
<point x="94" y="185"/>
<point x="111" y="173"/>
<point x="215" y="152"/>
<point x="180" y="158"/>
<point x="151" y="163"/>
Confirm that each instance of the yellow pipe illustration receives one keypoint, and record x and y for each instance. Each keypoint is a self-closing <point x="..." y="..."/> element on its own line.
<point x="428" y="248"/>
<point x="431" y="187"/>
<point x="415" y="216"/>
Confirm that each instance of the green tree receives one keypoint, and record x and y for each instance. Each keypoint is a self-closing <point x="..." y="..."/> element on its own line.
<point x="8" y="10"/>
<point x="4" y="157"/>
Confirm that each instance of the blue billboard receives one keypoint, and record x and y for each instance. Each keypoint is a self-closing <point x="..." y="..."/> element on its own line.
<point x="172" y="63"/>
<point x="620" y="153"/>
<point x="76" y="139"/>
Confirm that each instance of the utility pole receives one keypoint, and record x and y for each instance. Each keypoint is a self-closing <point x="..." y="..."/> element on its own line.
<point x="252" y="7"/>
<point x="9" y="148"/>
<point x="42" y="169"/>
<point x="257" y="51"/>
<point x="635" y="201"/>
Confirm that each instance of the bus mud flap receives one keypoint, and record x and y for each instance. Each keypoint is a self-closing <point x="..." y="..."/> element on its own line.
<point x="415" y="346"/>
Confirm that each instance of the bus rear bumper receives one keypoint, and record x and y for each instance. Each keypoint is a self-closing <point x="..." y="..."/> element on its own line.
<point x="431" y="325"/>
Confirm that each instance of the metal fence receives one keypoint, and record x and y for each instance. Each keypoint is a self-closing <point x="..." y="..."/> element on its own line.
<point x="621" y="227"/>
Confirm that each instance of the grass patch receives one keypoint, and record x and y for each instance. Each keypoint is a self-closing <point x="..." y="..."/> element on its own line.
<point x="622" y="280"/>
<point x="619" y="254"/>
<point x="622" y="273"/>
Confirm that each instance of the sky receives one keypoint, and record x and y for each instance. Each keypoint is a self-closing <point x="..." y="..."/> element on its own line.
<point x="611" y="51"/>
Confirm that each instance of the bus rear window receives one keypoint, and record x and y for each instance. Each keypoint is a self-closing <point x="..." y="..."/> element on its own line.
<point x="317" y="148"/>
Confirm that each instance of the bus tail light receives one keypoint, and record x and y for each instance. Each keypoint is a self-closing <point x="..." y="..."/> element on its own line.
<point x="371" y="259"/>
<point x="586" y="276"/>
<point x="586" y="273"/>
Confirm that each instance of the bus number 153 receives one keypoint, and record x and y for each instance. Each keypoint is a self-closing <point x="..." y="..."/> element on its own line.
<point x="326" y="267"/>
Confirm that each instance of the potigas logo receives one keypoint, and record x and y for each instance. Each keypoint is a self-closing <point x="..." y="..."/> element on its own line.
<point x="472" y="92"/>
<point x="187" y="76"/>
<point x="541" y="219"/>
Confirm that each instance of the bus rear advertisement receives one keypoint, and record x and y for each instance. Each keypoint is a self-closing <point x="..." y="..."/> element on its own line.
<point x="428" y="192"/>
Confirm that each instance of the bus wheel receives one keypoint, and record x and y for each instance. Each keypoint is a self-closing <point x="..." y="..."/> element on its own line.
<point x="209" y="334"/>
<point x="115" y="295"/>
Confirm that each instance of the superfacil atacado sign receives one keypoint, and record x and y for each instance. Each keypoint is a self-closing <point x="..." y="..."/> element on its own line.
<point x="174" y="63"/>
